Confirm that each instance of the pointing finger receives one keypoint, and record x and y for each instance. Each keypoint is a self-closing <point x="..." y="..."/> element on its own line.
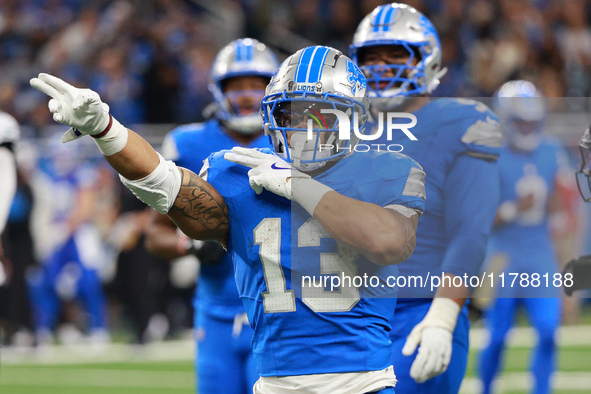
<point x="250" y="152"/>
<point x="242" y="160"/>
<point x="59" y="84"/>
<point x="45" y="88"/>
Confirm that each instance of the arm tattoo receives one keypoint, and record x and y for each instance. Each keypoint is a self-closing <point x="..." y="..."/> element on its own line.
<point x="197" y="200"/>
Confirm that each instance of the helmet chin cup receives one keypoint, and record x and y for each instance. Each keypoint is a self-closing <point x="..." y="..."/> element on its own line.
<point x="245" y="125"/>
<point x="385" y="104"/>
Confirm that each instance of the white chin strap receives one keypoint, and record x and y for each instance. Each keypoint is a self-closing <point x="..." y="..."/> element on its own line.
<point x="246" y="125"/>
<point x="302" y="149"/>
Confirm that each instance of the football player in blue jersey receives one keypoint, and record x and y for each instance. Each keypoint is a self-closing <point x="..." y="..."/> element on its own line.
<point x="457" y="143"/>
<point x="277" y="220"/>
<point x="69" y="244"/>
<point x="239" y="75"/>
<point x="529" y="165"/>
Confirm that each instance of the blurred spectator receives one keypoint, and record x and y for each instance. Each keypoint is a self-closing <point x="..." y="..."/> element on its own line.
<point x="149" y="59"/>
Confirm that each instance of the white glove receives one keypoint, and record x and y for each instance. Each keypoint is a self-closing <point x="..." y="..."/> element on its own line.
<point x="83" y="111"/>
<point x="275" y="174"/>
<point x="434" y="334"/>
<point x="268" y="171"/>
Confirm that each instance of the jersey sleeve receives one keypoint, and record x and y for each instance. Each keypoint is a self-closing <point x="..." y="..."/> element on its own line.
<point x="402" y="183"/>
<point x="215" y="172"/>
<point x="481" y="131"/>
<point x="471" y="197"/>
<point x="169" y="147"/>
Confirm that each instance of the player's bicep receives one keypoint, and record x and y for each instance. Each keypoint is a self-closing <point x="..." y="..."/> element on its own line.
<point x="199" y="210"/>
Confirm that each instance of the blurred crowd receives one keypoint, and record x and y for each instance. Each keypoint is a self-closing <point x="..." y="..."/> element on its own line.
<point x="149" y="60"/>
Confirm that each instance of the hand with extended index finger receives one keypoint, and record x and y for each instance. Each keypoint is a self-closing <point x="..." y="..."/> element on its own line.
<point x="82" y="109"/>
<point x="267" y="171"/>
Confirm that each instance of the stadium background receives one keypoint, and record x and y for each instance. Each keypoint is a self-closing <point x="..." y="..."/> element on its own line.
<point x="149" y="61"/>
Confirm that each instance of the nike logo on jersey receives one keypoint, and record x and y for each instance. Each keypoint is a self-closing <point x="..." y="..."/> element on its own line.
<point x="273" y="166"/>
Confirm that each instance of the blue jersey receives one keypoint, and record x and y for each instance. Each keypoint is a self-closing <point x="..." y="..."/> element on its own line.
<point x="188" y="146"/>
<point x="64" y="177"/>
<point x="458" y="142"/>
<point x="526" y="241"/>
<point x="297" y="329"/>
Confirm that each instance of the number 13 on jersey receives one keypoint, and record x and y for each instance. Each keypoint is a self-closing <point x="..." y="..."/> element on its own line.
<point x="278" y="298"/>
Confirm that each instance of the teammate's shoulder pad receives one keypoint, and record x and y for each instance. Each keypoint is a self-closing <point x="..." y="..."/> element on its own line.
<point x="479" y="127"/>
<point x="9" y="128"/>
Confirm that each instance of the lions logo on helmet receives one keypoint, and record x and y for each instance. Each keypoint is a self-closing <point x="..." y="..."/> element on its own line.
<point x="300" y="103"/>
<point x="399" y="25"/>
<point x="241" y="58"/>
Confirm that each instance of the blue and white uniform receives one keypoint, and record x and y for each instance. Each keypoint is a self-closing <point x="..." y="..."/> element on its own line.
<point x="273" y="242"/>
<point x="70" y="261"/>
<point x="525" y="246"/>
<point x="223" y="338"/>
<point x="458" y="142"/>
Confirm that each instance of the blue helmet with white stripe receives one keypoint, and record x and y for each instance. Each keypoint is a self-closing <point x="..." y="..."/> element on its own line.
<point x="398" y="25"/>
<point x="315" y="107"/>
<point x="522" y="111"/>
<point x="245" y="57"/>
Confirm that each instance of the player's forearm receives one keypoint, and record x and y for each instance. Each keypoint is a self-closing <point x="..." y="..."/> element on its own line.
<point x="197" y="208"/>
<point x="383" y="236"/>
<point x="163" y="239"/>
<point x="137" y="159"/>
<point x="459" y="294"/>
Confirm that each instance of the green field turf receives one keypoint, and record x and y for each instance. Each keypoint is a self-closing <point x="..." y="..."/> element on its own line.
<point x="176" y="377"/>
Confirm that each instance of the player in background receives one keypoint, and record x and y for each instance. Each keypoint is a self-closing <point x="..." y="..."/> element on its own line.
<point x="9" y="134"/>
<point x="529" y="165"/>
<point x="68" y="244"/>
<point x="584" y="173"/>
<point x="458" y="142"/>
<point x="276" y="220"/>
<point x="239" y="75"/>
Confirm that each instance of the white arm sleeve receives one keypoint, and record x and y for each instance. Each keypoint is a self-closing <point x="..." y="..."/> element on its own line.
<point x="7" y="184"/>
<point x="160" y="188"/>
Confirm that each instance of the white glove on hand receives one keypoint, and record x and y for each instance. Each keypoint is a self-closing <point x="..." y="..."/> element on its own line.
<point x="80" y="109"/>
<point x="268" y="171"/>
<point x="434" y="334"/>
<point x="275" y="174"/>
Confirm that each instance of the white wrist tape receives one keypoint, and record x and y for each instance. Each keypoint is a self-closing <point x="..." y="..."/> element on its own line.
<point x="508" y="211"/>
<point x="114" y="140"/>
<point x="307" y="192"/>
<point x="160" y="188"/>
<point x="443" y="313"/>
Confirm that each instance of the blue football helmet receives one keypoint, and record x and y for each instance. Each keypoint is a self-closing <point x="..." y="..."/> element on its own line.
<point x="241" y="58"/>
<point x="522" y="111"/>
<point x="584" y="173"/>
<point x="398" y="25"/>
<point x="315" y="107"/>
